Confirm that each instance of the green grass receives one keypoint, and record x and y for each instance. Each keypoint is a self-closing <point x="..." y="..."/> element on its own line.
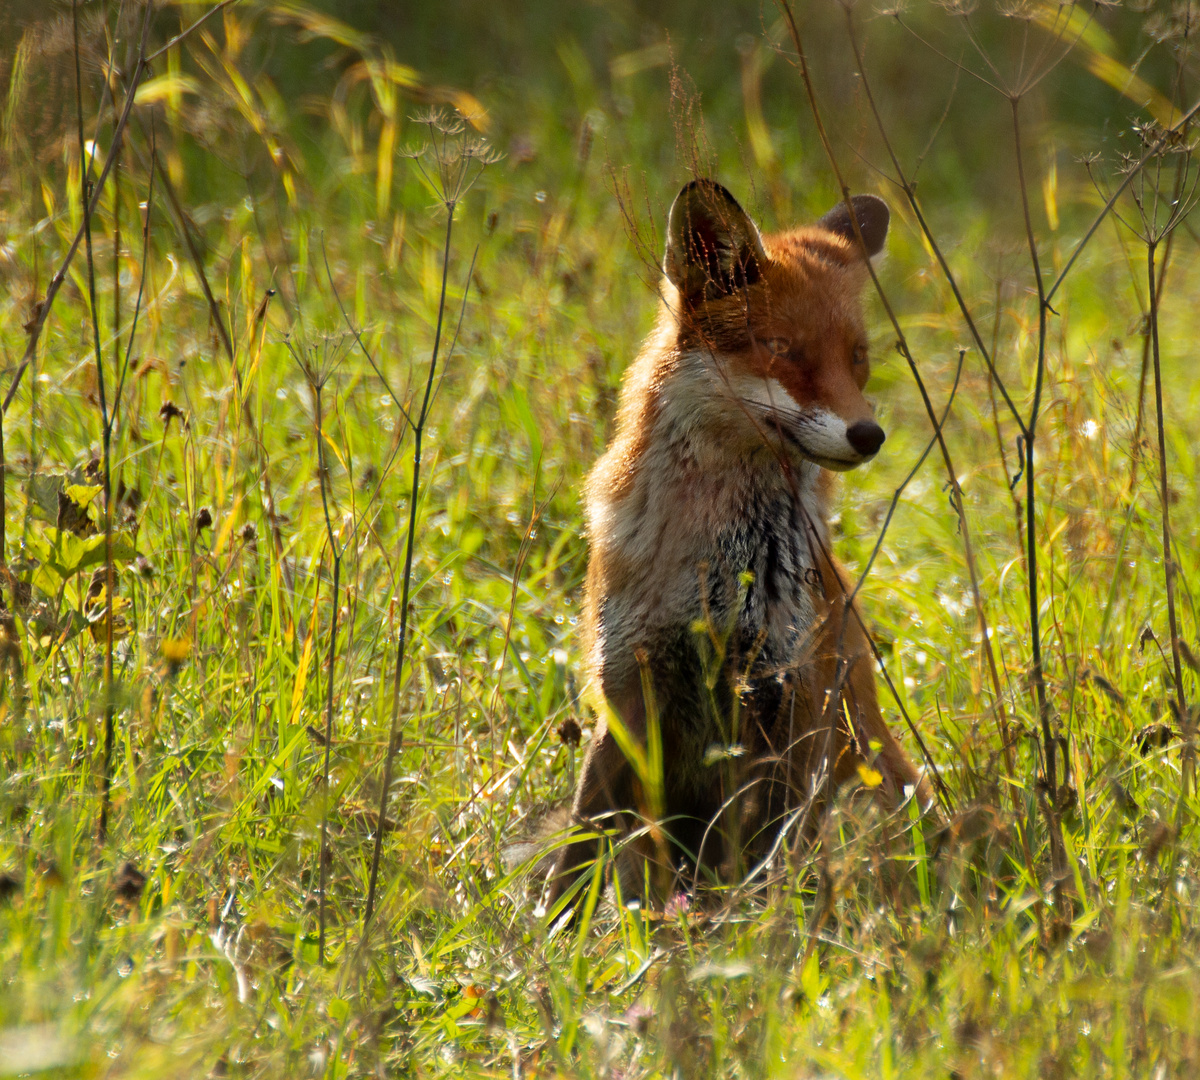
<point x="950" y="952"/>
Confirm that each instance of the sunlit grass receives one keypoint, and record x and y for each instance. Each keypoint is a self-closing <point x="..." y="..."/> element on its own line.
<point x="946" y="952"/>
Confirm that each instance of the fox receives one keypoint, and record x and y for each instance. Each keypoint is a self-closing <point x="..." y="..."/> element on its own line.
<point x="717" y="624"/>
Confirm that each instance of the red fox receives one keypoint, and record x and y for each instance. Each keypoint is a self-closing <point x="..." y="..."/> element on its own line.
<point x="716" y="624"/>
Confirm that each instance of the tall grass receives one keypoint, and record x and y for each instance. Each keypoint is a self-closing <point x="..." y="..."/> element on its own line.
<point x="233" y="581"/>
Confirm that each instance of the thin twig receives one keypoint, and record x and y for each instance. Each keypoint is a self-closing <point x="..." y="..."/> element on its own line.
<point x="245" y="411"/>
<point x="1030" y="434"/>
<point x="44" y="306"/>
<point x="137" y="307"/>
<point x="1154" y="147"/>
<point x="358" y="338"/>
<point x="901" y="339"/>
<point x="1169" y="565"/>
<point x="955" y="489"/>
<point x="910" y="193"/>
<point x="187" y="33"/>
<point x="335" y="553"/>
<point x="418" y="429"/>
<point x="87" y="206"/>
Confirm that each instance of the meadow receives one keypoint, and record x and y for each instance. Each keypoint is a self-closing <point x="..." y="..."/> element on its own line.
<point x="313" y="320"/>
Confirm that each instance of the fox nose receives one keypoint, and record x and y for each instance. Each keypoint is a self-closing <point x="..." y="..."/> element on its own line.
<point x="865" y="436"/>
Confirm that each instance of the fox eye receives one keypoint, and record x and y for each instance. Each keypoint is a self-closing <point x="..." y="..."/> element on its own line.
<point x="777" y="346"/>
<point x="860" y="354"/>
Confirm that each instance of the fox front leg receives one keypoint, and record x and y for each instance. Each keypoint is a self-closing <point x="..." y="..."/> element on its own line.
<point x="605" y="786"/>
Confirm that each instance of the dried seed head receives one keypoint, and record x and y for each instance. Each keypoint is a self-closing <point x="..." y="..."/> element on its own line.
<point x="10" y="885"/>
<point x="129" y="883"/>
<point x="570" y="732"/>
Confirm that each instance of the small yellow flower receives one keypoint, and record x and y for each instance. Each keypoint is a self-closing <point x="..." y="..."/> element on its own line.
<point x="175" y="651"/>
<point x="870" y="777"/>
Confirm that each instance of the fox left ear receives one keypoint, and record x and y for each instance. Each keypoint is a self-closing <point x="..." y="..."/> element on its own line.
<point x="713" y="248"/>
<point x="873" y="217"/>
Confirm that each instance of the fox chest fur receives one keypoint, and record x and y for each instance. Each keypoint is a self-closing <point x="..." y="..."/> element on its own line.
<point x="703" y="582"/>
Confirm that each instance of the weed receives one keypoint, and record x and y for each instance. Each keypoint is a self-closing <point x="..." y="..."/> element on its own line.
<point x="292" y="542"/>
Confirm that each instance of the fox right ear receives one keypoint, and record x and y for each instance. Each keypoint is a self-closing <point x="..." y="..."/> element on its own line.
<point x="713" y="248"/>
<point x="873" y="217"/>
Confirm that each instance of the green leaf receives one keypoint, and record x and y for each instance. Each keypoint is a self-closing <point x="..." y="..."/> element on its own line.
<point x="63" y="554"/>
<point x="83" y="494"/>
<point x="43" y="489"/>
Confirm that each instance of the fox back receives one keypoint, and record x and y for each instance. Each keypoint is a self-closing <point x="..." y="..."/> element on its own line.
<point x="714" y="608"/>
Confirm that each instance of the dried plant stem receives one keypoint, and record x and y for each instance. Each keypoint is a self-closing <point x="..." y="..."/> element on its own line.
<point x="47" y="302"/>
<point x="336" y="556"/>
<point x="418" y="429"/>
<point x="188" y="32"/>
<point x="245" y="411"/>
<point x="106" y="442"/>
<point x="909" y="189"/>
<point x="1165" y="493"/>
<point x="1027" y="428"/>
<point x="116" y="258"/>
<point x="903" y="347"/>
<point x="1045" y="297"/>
<point x="939" y="784"/>
<point x="335" y="553"/>
<point x="1010" y="478"/>
<point x="107" y="415"/>
<point x="994" y="380"/>
<point x="1030" y="437"/>
<point x="1037" y="672"/>
<point x="1154" y="147"/>
<point x="137" y="304"/>
<point x="1164" y="263"/>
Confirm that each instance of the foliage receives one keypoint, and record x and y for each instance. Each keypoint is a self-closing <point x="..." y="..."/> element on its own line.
<point x="209" y="492"/>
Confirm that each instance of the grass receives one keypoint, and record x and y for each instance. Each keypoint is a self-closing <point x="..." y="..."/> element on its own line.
<point x="1039" y="933"/>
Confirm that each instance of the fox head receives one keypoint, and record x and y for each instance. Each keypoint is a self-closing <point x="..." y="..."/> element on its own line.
<point x="772" y="325"/>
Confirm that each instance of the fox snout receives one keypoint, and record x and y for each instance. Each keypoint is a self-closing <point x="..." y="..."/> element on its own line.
<point x="866" y="437"/>
<point x="827" y="439"/>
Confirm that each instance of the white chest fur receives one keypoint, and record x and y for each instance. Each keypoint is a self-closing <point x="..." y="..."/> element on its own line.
<point x="717" y="528"/>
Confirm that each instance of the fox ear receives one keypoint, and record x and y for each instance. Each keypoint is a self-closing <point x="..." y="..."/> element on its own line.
<point x="873" y="216"/>
<point x="713" y="248"/>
